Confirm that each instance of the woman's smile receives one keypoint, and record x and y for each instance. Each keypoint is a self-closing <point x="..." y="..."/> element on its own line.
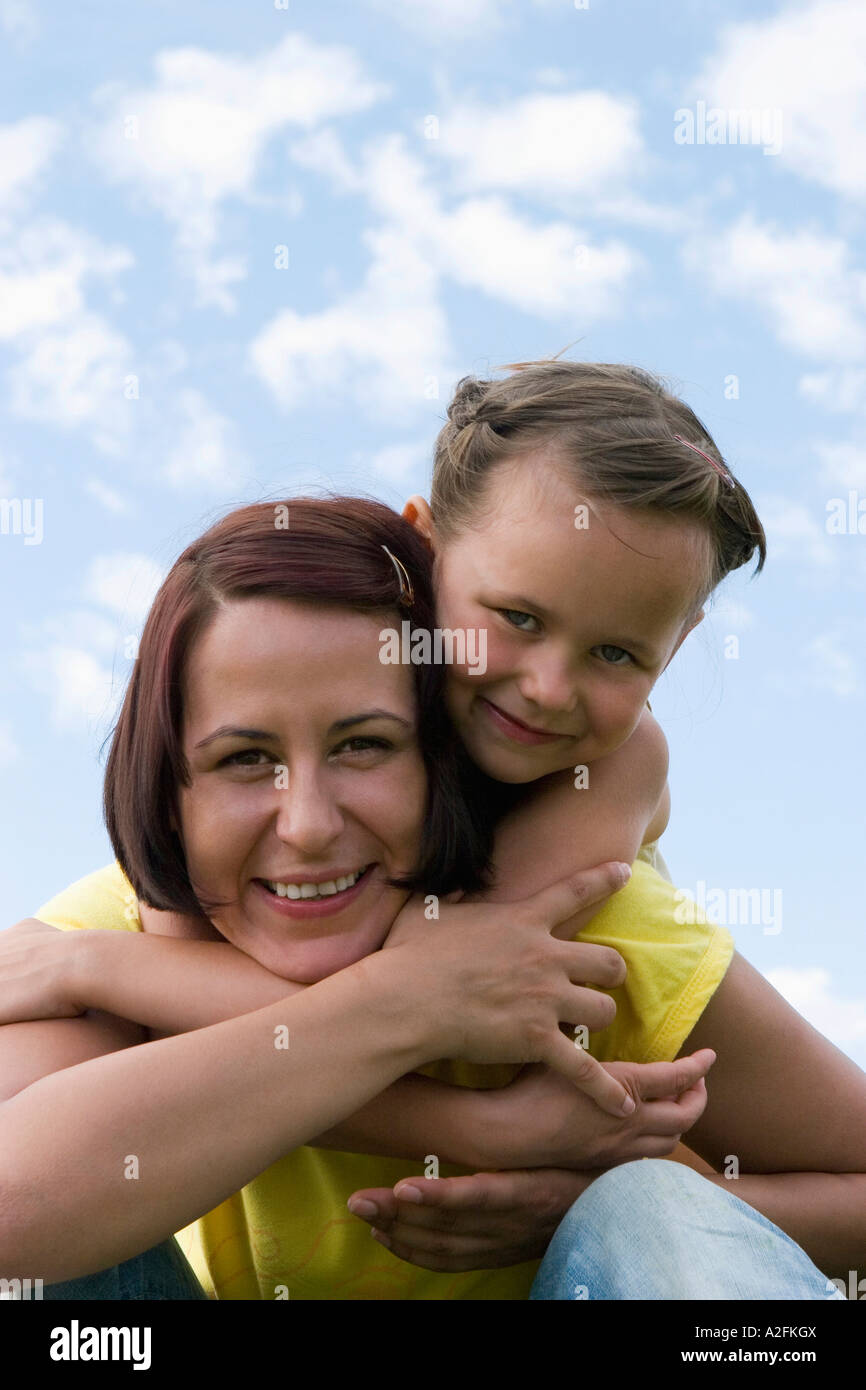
<point x="315" y="897"/>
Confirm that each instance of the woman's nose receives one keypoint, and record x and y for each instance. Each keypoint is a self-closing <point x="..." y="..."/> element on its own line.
<point x="308" y="817"/>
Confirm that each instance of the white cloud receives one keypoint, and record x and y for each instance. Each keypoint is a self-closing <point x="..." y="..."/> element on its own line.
<point x="831" y="664"/>
<point x="75" y="376"/>
<point x="42" y="274"/>
<point x="19" y="19"/>
<point x="386" y="341"/>
<point x="810" y="991"/>
<point x="815" y="299"/>
<point x="808" y="61"/>
<point x="570" y="143"/>
<point x="124" y="582"/>
<point x="196" y="135"/>
<point x="106" y="496"/>
<point x="841" y="390"/>
<point x="79" y="687"/>
<point x="549" y="270"/>
<point x="383" y="346"/>
<point x="205" y="452"/>
<point x="26" y="149"/>
<point x="844" y="464"/>
<point x="323" y="151"/>
<point x="794" y="530"/>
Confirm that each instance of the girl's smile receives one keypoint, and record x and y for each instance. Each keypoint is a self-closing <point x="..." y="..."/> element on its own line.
<point x="580" y="622"/>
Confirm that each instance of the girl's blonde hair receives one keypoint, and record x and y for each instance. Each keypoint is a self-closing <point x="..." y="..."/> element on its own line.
<point x="613" y="426"/>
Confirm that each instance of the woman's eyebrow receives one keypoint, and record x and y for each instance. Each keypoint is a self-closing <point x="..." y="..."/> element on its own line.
<point x="232" y="731"/>
<point x="368" y="714"/>
<point x="263" y="736"/>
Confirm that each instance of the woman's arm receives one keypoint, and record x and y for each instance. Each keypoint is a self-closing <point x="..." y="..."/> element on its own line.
<point x="787" y="1111"/>
<point x="104" y="1159"/>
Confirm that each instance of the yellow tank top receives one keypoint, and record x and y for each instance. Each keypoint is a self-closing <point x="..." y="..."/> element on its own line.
<point x="289" y="1233"/>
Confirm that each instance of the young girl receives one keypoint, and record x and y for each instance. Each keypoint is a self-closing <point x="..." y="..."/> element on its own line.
<point x="581" y="517"/>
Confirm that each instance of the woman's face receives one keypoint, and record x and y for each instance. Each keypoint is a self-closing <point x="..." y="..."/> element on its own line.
<point x="580" y="621"/>
<point x="305" y="767"/>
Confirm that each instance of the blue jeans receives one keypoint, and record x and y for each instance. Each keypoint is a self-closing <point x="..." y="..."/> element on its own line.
<point x="160" y="1273"/>
<point x="651" y="1229"/>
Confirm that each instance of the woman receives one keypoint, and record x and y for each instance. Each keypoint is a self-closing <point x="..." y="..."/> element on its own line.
<point x="243" y="659"/>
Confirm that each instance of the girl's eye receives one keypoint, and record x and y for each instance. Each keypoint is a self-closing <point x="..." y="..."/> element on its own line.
<point x="612" y="655"/>
<point x="511" y="614"/>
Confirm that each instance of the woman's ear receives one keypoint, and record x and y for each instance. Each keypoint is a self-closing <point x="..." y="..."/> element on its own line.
<point x="417" y="512"/>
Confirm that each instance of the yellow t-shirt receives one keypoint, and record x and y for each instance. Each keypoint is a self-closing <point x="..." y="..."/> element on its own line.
<point x="289" y="1231"/>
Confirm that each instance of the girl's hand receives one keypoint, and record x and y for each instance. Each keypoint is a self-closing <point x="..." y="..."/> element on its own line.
<point x="40" y="973"/>
<point x="496" y="983"/>
<point x="482" y="1221"/>
<point x="539" y="1120"/>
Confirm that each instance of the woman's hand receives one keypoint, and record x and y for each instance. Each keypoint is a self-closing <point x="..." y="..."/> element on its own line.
<point x="40" y="972"/>
<point x="481" y="1221"/>
<point x="496" y="983"/>
<point x="540" y="1120"/>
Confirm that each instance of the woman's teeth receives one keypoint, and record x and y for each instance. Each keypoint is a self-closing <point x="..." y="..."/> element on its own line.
<point x="314" y="890"/>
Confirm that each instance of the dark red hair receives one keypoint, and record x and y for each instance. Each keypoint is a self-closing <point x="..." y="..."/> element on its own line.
<point x="331" y="553"/>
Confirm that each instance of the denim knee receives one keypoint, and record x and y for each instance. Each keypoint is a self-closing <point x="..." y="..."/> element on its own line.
<point x="655" y="1229"/>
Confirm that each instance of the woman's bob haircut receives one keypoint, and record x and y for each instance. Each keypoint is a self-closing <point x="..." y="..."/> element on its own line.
<point x="321" y="550"/>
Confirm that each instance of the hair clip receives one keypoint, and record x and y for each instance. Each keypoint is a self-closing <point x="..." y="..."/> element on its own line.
<point x="722" y="472"/>
<point x="407" y="593"/>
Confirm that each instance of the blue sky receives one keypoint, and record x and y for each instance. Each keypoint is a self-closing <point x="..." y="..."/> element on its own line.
<point x="246" y="249"/>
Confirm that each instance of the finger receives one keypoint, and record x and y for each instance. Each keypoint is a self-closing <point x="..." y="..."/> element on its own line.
<point x="373" y="1204"/>
<point x="589" y="964"/>
<point x="588" y="1075"/>
<point x="657" y="1080"/>
<point x="567" y="897"/>
<point x="667" y="1117"/>
<point x="589" y="1007"/>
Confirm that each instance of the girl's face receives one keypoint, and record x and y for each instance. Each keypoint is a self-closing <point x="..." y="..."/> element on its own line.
<point x="305" y="768"/>
<point x="581" y="620"/>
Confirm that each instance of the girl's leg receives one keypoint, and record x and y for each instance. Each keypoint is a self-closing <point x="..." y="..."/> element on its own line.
<point x="654" y="1229"/>
<point x="160" y="1273"/>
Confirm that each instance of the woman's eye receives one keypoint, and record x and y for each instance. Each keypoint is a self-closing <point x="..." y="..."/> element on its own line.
<point x="246" y="758"/>
<point x="363" y="745"/>
<point x="512" y="614"/>
<point x="612" y="655"/>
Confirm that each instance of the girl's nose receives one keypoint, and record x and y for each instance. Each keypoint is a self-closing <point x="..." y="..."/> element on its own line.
<point x="308" y="817"/>
<point x="550" y="686"/>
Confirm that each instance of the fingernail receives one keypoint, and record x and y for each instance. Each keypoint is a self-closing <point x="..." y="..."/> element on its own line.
<point x="625" y="872"/>
<point x="359" y="1206"/>
<point x="628" y="1106"/>
<point x="377" y="1235"/>
<point x="408" y="1194"/>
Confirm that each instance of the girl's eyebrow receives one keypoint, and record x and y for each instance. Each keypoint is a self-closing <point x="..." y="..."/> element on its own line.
<point x="263" y="736"/>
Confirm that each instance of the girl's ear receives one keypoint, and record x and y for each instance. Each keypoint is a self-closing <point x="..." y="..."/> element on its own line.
<point x="417" y="512"/>
<point x="698" y="618"/>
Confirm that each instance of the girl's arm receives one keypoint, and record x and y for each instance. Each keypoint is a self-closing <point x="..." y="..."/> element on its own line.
<point x="787" y="1111"/>
<point x="103" y="1159"/>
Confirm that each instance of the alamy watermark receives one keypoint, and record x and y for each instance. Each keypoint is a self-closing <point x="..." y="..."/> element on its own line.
<point x="443" y="646"/>
<point x="724" y="125"/>
<point x="731" y="907"/>
<point x="22" y="516"/>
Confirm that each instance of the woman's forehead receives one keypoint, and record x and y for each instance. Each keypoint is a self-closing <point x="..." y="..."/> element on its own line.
<point x="280" y="650"/>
